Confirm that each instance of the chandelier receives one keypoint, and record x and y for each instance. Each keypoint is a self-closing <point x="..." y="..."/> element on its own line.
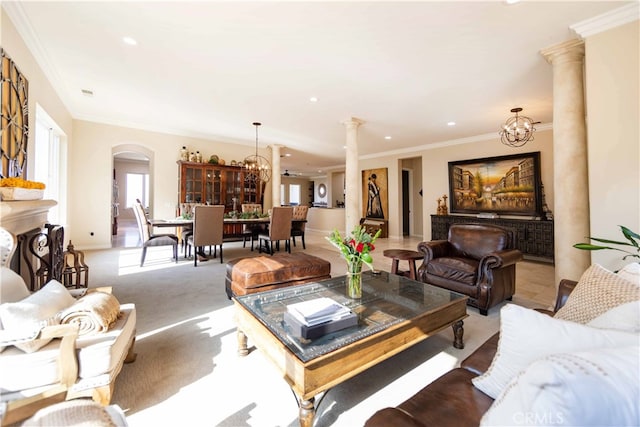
<point x="517" y="130"/>
<point x="258" y="168"/>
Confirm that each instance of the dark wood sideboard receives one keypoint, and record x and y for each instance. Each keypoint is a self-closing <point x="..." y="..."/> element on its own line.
<point x="534" y="238"/>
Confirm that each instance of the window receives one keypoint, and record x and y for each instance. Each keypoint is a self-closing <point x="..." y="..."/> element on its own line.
<point x="49" y="161"/>
<point x="294" y="194"/>
<point x="137" y="188"/>
<point x="282" y="199"/>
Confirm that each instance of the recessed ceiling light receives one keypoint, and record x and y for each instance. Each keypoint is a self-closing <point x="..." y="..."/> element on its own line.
<point x="387" y="137"/>
<point x="344" y="147"/>
<point x="130" y="41"/>
<point x="87" y="92"/>
<point x="451" y="123"/>
<point x="512" y="1"/>
<point x="313" y="99"/>
<point x="287" y="155"/>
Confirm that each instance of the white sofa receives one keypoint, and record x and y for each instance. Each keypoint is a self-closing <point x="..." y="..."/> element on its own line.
<point x="93" y="366"/>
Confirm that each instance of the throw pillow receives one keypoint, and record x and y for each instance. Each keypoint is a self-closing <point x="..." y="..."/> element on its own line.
<point x="625" y="317"/>
<point x="526" y="335"/>
<point x="34" y="312"/>
<point x="594" y="388"/>
<point x="631" y="272"/>
<point x="597" y="291"/>
<point x="12" y="286"/>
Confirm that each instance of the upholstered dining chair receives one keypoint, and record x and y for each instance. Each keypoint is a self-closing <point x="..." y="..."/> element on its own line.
<point x="148" y="238"/>
<point x="208" y="227"/>
<point x="279" y="229"/>
<point x="251" y="231"/>
<point x="297" y="228"/>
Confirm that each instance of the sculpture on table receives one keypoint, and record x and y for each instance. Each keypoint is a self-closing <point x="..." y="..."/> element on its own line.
<point x="442" y="206"/>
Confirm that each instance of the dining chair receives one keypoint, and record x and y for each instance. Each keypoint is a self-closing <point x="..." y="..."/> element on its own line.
<point x="251" y="231"/>
<point x="148" y="238"/>
<point x="208" y="227"/>
<point x="297" y="227"/>
<point x="279" y="229"/>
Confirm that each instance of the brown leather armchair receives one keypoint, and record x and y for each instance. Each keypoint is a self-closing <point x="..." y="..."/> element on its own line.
<point x="476" y="260"/>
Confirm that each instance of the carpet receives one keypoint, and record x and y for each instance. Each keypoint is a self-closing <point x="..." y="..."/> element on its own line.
<point x="188" y="372"/>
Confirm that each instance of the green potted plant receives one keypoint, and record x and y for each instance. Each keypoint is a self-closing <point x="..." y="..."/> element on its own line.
<point x="633" y="240"/>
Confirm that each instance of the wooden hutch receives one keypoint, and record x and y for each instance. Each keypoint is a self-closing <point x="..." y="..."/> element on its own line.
<point x="213" y="184"/>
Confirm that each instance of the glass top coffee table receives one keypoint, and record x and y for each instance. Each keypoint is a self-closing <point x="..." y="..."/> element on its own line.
<point x="394" y="313"/>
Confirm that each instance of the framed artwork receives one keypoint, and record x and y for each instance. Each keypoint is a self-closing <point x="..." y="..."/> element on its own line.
<point x="508" y="185"/>
<point x="14" y="122"/>
<point x="375" y="194"/>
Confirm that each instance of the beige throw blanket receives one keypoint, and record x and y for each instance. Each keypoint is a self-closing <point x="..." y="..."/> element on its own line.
<point x="94" y="313"/>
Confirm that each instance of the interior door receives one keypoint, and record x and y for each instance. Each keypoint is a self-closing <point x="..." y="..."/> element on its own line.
<point x="405" y="203"/>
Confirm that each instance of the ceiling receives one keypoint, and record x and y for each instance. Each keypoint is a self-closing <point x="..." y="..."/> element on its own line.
<point x="209" y="69"/>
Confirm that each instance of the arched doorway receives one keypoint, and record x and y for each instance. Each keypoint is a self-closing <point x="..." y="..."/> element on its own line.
<point x="132" y="175"/>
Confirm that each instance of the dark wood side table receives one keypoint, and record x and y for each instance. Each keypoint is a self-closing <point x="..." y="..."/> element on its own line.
<point x="403" y="255"/>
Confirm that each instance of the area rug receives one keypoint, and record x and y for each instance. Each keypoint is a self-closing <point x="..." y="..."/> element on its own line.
<point x="188" y="371"/>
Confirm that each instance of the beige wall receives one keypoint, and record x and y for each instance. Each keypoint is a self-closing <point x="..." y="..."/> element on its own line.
<point x="613" y="97"/>
<point x="435" y="173"/>
<point x="91" y="174"/>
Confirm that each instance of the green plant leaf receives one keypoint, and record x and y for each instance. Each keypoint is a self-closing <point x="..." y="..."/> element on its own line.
<point x="630" y="235"/>
<point x="590" y="247"/>
<point x="613" y="242"/>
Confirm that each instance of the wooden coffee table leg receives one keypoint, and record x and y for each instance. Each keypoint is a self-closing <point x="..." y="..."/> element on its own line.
<point x="243" y="350"/>
<point x="458" y="332"/>
<point x="307" y="412"/>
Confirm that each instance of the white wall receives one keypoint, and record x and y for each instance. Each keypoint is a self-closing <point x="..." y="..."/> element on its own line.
<point x="613" y="98"/>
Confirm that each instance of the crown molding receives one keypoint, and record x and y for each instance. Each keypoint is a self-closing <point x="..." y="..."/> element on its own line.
<point x="23" y="26"/>
<point x="607" y="21"/>
<point x="468" y="140"/>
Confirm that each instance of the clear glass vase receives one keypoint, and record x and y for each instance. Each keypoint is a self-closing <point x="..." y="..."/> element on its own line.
<point x="354" y="280"/>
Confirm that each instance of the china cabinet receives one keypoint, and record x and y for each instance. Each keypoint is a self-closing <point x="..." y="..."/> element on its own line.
<point x="216" y="185"/>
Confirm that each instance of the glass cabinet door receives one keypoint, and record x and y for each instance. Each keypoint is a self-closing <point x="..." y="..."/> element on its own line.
<point x="193" y="185"/>
<point x="233" y="190"/>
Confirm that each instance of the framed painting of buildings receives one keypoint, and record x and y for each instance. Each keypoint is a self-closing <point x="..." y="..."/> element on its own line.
<point x="508" y="185"/>
<point x="375" y="194"/>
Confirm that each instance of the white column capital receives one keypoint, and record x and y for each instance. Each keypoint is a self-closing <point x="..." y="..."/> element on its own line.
<point x="352" y="122"/>
<point x="571" y="50"/>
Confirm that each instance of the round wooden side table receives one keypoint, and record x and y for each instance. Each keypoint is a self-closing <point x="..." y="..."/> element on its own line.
<point x="403" y="255"/>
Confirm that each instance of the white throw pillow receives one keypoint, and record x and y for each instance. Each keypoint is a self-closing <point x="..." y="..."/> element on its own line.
<point x="631" y="272"/>
<point x="625" y="317"/>
<point x="526" y="335"/>
<point x="593" y="388"/>
<point x="12" y="286"/>
<point x="34" y="312"/>
<point x="597" y="291"/>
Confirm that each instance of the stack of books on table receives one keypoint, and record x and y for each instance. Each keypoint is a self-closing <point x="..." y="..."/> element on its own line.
<point x="317" y="317"/>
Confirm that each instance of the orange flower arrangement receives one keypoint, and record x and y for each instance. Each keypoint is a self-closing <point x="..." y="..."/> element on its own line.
<point x="21" y="183"/>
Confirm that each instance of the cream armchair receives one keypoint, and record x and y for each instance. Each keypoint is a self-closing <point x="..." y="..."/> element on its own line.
<point x="41" y="366"/>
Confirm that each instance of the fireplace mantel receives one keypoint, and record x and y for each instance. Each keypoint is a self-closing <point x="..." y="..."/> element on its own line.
<point x="20" y="216"/>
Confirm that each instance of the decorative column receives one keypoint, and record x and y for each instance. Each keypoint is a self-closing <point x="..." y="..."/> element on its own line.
<point x="571" y="182"/>
<point x="352" y="175"/>
<point x="275" y="175"/>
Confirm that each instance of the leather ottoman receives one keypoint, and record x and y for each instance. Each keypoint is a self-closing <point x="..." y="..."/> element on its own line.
<point x="262" y="273"/>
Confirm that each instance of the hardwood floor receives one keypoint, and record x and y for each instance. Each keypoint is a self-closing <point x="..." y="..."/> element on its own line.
<point x="535" y="285"/>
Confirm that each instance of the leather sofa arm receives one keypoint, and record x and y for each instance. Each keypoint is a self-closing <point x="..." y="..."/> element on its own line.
<point x="565" y="288"/>
<point x="500" y="259"/>
<point x="434" y="249"/>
